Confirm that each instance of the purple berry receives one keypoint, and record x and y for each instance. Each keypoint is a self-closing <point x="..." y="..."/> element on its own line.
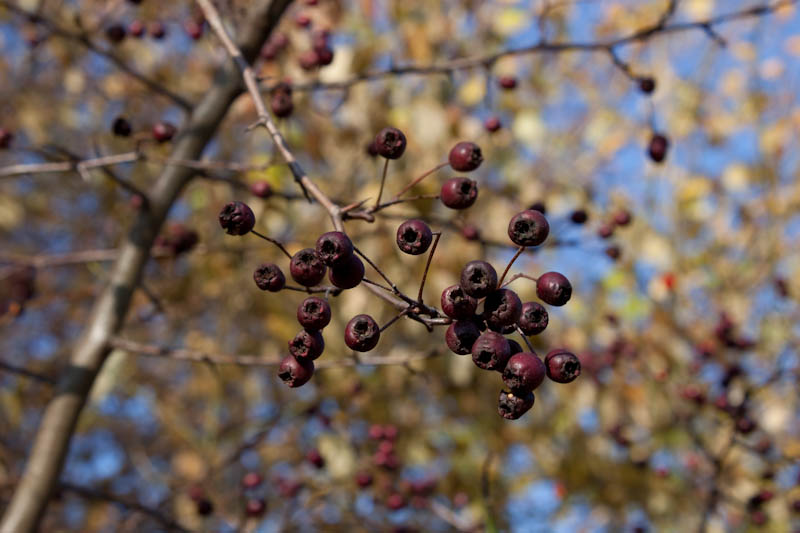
<point x="461" y="335"/>
<point x="255" y="507"/>
<point x="524" y="372"/>
<point x="553" y="288"/>
<point x="579" y="216"/>
<point x="314" y="313"/>
<point x="306" y="268"/>
<point x="491" y="351"/>
<point x="501" y="308"/>
<point x="295" y="372"/>
<point x="507" y="82"/>
<point x="269" y="277"/>
<point x="513" y="347"/>
<point x="334" y="247"/>
<point x="414" y="237"/>
<point x="465" y="157"/>
<point x="511" y="405"/>
<point x="307" y="345"/>
<point x="478" y="279"/>
<point x="261" y="189"/>
<point x="163" y="131"/>
<point x="121" y="127"/>
<point x="492" y="124"/>
<point x="533" y="319"/>
<point x="348" y="273"/>
<point x="528" y="228"/>
<point x="362" y="333"/>
<point x="236" y="218"/>
<point x="459" y="193"/>
<point x="562" y="366"/>
<point x="280" y="100"/>
<point x="657" y="149"/>
<point x="390" y="143"/>
<point x="647" y="85"/>
<point x="457" y="304"/>
<point x="115" y="33"/>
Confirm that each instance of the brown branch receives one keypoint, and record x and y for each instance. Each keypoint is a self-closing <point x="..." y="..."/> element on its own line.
<point x="25" y="373"/>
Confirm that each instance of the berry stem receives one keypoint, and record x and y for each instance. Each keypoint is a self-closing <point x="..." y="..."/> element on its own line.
<point x="394" y="319"/>
<point x="508" y="266"/>
<point x="437" y="236"/>
<point x="517" y="276"/>
<point x="418" y="179"/>
<point x="273" y="241"/>
<point x="378" y="270"/>
<point x="379" y="285"/>
<point x="383" y="181"/>
<point x="525" y="338"/>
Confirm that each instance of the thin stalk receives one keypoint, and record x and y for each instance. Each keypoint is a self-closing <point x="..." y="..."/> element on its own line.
<point x="418" y="179"/>
<point x="508" y="266"/>
<point x="273" y="241"/>
<point x="438" y="235"/>
<point x="383" y="181"/>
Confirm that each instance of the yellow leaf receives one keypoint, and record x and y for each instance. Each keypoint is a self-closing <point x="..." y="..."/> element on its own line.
<point x="473" y="90"/>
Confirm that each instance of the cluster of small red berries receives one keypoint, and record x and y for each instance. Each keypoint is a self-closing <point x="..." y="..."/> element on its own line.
<point x="319" y="54"/>
<point x="162" y="131"/>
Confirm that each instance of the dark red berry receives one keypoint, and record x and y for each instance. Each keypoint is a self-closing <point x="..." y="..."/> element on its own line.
<point x="306" y="268"/>
<point x="196" y="493"/>
<point x="261" y="189"/>
<point x="465" y="157"/>
<point x="605" y="231"/>
<point x="657" y="149"/>
<point x="177" y="239"/>
<point x="395" y="501"/>
<point x="414" y="237"/>
<point x="121" y="127"/>
<point x="579" y="216"/>
<point x="324" y="55"/>
<point x="528" y="228"/>
<point x="647" y="85"/>
<point x="538" y="206"/>
<point x="363" y="479"/>
<point x="613" y="252"/>
<point x="513" y="347"/>
<point x="158" y="30"/>
<point x="204" y="507"/>
<point x="348" y="273"/>
<point x="524" y="372"/>
<point x="507" y="82"/>
<point x="622" y="217"/>
<point x="302" y="20"/>
<point x="457" y="304"/>
<point x="553" y="288"/>
<point x="461" y="336"/>
<point x="255" y="507"/>
<point x="502" y="308"/>
<point x="533" y="319"/>
<point x="236" y="218"/>
<point x="307" y="345"/>
<point x="163" y="131"/>
<point x="390" y="432"/>
<point x="491" y="351"/>
<point x="478" y="279"/>
<point x="315" y="458"/>
<point x="136" y="28"/>
<point x="470" y="232"/>
<point x="308" y="60"/>
<point x="252" y="480"/>
<point x="459" y="193"/>
<point x="512" y="405"/>
<point x="5" y="138"/>
<point x="562" y="366"/>
<point x="492" y="124"/>
<point x="269" y="277"/>
<point x="375" y="432"/>
<point x="745" y="425"/>
<point x="334" y="247"/>
<point x="371" y="148"/>
<point x="115" y="33"/>
<point x="362" y="333"/>
<point x="314" y="313"/>
<point x="390" y="143"/>
<point x="295" y="372"/>
<point x="280" y="100"/>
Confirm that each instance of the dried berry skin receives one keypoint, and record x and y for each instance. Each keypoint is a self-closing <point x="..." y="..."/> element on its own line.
<point x="334" y="247"/>
<point x="295" y="372"/>
<point x="528" y="228"/>
<point x="307" y="345"/>
<point x="261" y="189"/>
<point x="533" y="319"/>
<point x="502" y="308"/>
<point x="414" y="237"/>
<point x="465" y="157"/>
<point x="458" y="304"/>
<point x="461" y="336"/>
<point x="478" y="279"/>
<point x="306" y="268"/>
<point x="658" y="147"/>
<point x="236" y="218"/>
<point x="280" y="100"/>
<point x="347" y="274"/>
<point x="121" y="127"/>
<point x="553" y="288"/>
<point x="314" y="313"/>
<point x="459" y="193"/>
<point x="562" y="366"/>
<point x="362" y="333"/>
<point x="511" y="406"/>
<point x="390" y="143"/>
<point x="269" y="277"/>
<point x="491" y="351"/>
<point x="524" y="372"/>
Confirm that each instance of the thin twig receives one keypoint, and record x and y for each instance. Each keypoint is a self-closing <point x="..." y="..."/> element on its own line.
<point x="508" y="266"/>
<point x="437" y="236"/>
<point x="383" y="181"/>
<point x="277" y="243"/>
<point x="419" y="179"/>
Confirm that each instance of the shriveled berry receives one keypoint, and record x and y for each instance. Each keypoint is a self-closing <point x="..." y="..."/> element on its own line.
<point x="324" y="55"/>
<point x="507" y="82"/>
<point x="465" y="157"/>
<point x="414" y="237"/>
<point x="553" y="288"/>
<point x="115" y="33"/>
<point x="458" y="304"/>
<point x="478" y="279"/>
<point x="492" y="124"/>
<point x="177" y="238"/>
<point x="524" y="372"/>
<point x="512" y="405"/>
<point x="362" y="333"/>
<point x="533" y="319"/>
<point x="280" y="100"/>
<point x="163" y="131"/>
<point x="579" y="216"/>
<point x="647" y="85"/>
<point x="390" y="143"/>
<point x="269" y="277"/>
<point x="307" y="345"/>
<point x="295" y="372"/>
<point x="459" y="193"/>
<point x="562" y="366"/>
<point x="252" y="480"/>
<point x="348" y="273"/>
<point x="461" y="335"/>
<point x="491" y="351"/>
<point x="236" y="218"/>
<point x="255" y="507"/>
<point x="121" y="127"/>
<point x="658" y="147"/>
<point x="528" y="228"/>
<point x="306" y="267"/>
<point x="502" y="308"/>
<point x="261" y="189"/>
<point x="334" y="247"/>
<point x="314" y="313"/>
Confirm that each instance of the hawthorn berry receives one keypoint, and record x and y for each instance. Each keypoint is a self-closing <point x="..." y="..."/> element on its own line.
<point x="579" y="216"/>
<point x="363" y="479"/>
<point x="136" y="28"/>
<point x="158" y="30"/>
<point x="507" y="82"/>
<point x="371" y="148"/>
<point x="465" y="157"/>
<point x="647" y="85"/>
<point x="533" y="318"/>
<point x="658" y="147"/>
<point x="5" y="138"/>
<point x="307" y="345"/>
<point x="414" y="237"/>
<point x="177" y="239"/>
<point x="121" y="127"/>
<point x="302" y="20"/>
<point x="269" y="277"/>
<point x="491" y="351"/>
<point x="553" y="288"/>
<point x="261" y="189"/>
<point x="395" y="501"/>
<point x="461" y="336"/>
<point x="513" y="347"/>
<point x="470" y="232"/>
<point x="280" y="100"/>
<point x="622" y="217"/>
<point x="115" y="33"/>
<point x="295" y="372"/>
<point x="501" y="308"/>
<point x="308" y="60"/>
<point x="512" y="405"/>
<point x="236" y="218"/>
<point x="193" y="29"/>
<point x="613" y="252"/>
<point x="492" y="124"/>
<point x="348" y="273"/>
<point x="459" y="193"/>
<point x="605" y="231"/>
<point x="252" y="480"/>
<point x="163" y="131"/>
<point x="255" y="507"/>
<point x="362" y="333"/>
<point x="390" y="143"/>
<point x="524" y="372"/>
<point x="324" y="55"/>
<point x="334" y="247"/>
<point x="478" y="279"/>
<point x="562" y="366"/>
<point x="528" y="228"/>
<point x="306" y="268"/>
<point x="314" y="313"/>
<point x="457" y="304"/>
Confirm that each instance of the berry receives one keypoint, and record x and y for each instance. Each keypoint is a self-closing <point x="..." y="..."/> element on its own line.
<point x="553" y="288"/>
<point x="538" y="206"/>
<point x="470" y="232"/>
<point x="457" y="304"/>
<point x="307" y="345"/>
<point x="308" y="60"/>
<point x="302" y="20"/>
<point x="163" y="131"/>
<point x="261" y="189"/>
<point x="647" y="85"/>
<point x="622" y="217"/>
<point x="136" y="28"/>
<point x="657" y="149"/>
<point x="121" y="127"/>
<point x="613" y="252"/>
<point x="280" y="100"/>
<point x="347" y="274"/>
<point x="389" y="432"/>
<point x="371" y="148"/>
<point x="363" y="479"/>
<point x="491" y="351"/>
<point x="478" y="279"/>
<point x="528" y="228"/>
<point x="362" y="333"/>
<point x="513" y="347"/>
<point x="177" y="239"/>
<point x="115" y="33"/>
<point x="334" y="247"/>
<point x="295" y="372"/>
<point x="459" y="193"/>
<point x="391" y="143"/>
<point x="158" y="30"/>
<point x="314" y="313"/>
<point x="197" y="493"/>
<point x="252" y="480"/>
<point x="605" y="231"/>
<point x="492" y="124"/>
<point x="315" y="458"/>
<point x="524" y="372"/>
<point x="375" y="432"/>
<point x="461" y="336"/>
<point x="193" y="29"/>
<point x="579" y="216"/>
<point x="533" y="318"/>
<point x="562" y="366"/>
<point x="395" y="501"/>
<point x="324" y="55"/>
<point x="513" y="405"/>
<point x="502" y="308"/>
<point x="255" y="507"/>
<point x="507" y="82"/>
<point x="306" y="267"/>
<point x="269" y="277"/>
<point x="5" y="138"/>
<point x="465" y="157"/>
<point x="204" y="507"/>
<point x="236" y="218"/>
<point x="414" y="237"/>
